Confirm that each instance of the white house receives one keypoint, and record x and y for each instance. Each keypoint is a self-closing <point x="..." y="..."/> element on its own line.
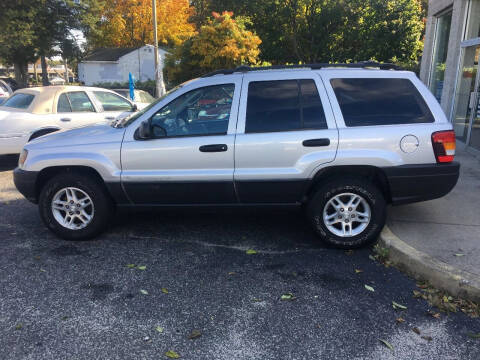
<point x="114" y="64"/>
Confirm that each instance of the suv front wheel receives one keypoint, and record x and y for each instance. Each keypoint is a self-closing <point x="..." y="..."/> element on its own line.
<point x="74" y="206"/>
<point x="347" y="213"/>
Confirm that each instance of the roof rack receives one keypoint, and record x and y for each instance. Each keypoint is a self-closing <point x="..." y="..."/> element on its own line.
<point x="362" y="65"/>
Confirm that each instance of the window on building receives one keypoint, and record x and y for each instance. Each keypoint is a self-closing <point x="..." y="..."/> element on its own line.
<point x="440" y="50"/>
<point x="284" y="105"/>
<point x="380" y="101"/>
<point x="473" y="20"/>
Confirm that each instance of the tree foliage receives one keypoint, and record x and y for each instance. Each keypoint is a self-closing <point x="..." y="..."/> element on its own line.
<point x="128" y="23"/>
<point x="221" y="43"/>
<point x="333" y="30"/>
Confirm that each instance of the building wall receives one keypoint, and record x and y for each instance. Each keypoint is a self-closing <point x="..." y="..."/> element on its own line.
<point x="435" y="8"/>
<point x="140" y="63"/>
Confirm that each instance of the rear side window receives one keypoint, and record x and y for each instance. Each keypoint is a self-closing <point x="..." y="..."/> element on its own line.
<point x="380" y="101"/>
<point x="74" y="101"/>
<point x="19" y="101"/>
<point x="63" y="104"/>
<point x="283" y="105"/>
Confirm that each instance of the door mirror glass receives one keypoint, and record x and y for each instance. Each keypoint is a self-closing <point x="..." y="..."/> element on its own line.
<point x="134" y="107"/>
<point x="144" y="132"/>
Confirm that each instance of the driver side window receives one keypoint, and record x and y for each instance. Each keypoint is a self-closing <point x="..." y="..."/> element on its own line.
<point x="203" y="111"/>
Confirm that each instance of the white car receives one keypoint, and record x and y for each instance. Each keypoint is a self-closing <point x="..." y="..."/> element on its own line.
<point x="5" y="91"/>
<point x="33" y="112"/>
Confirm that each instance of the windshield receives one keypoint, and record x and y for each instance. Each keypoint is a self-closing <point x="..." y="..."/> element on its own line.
<point x="131" y="118"/>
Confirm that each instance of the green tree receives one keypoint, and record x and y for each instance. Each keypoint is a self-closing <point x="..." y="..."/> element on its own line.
<point x="222" y="43"/>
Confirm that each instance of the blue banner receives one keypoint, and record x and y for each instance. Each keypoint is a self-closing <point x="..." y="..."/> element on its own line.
<point x="131" y="86"/>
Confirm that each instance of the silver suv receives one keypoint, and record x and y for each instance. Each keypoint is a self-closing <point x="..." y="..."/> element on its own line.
<point x="342" y="141"/>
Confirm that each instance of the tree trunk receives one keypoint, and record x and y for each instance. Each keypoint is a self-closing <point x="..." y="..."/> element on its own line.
<point x="66" y="70"/>
<point x="21" y="73"/>
<point x="45" y="81"/>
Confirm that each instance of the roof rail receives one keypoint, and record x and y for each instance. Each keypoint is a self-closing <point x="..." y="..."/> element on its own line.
<point x="361" y="65"/>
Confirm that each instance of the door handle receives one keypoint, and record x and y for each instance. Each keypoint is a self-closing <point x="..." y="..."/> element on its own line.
<point x="316" y="142"/>
<point x="109" y="117"/>
<point x="65" y="119"/>
<point x="213" y="148"/>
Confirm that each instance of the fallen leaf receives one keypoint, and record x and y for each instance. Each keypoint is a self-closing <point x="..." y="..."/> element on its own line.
<point x="387" y="344"/>
<point x="422" y="286"/>
<point x="172" y="354"/>
<point x="474" y="336"/>
<point x="232" y="273"/>
<point x="288" y="296"/>
<point x="369" y="288"/>
<point x="251" y="252"/>
<point x="36" y="257"/>
<point x="459" y="254"/>
<point x="416" y="294"/>
<point x="143" y="267"/>
<point x="130" y="266"/>
<point x="445" y="299"/>
<point x="398" y="306"/>
<point x="433" y="314"/>
<point x="18" y="326"/>
<point x="400" y="320"/>
<point x="43" y="270"/>
<point x="147" y="339"/>
<point x="144" y="292"/>
<point x="349" y="252"/>
<point x="257" y="300"/>
<point x="64" y="318"/>
<point x="159" y="329"/>
<point x="428" y="338"/>
<point x="195" y="334"/>
<point x="371" y="257"/>
<point x="416" y="330"/>
<point x="358" y="271"/>
<point x="165" y="290"/>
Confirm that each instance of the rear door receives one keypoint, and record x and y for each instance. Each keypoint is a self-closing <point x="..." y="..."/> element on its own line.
<point x="75" y="109"/>
<point x="285" y="131"/>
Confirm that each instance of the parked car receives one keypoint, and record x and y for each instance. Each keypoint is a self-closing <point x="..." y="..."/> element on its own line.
<point x="341" y="142"/>
<point x="33" y="112"/>
<point x="142" y="98"/>
<point x="10" y="82"/>
<point x="5" y="91"/>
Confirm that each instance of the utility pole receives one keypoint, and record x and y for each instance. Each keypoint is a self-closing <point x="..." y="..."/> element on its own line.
<point x="159" y="86"/>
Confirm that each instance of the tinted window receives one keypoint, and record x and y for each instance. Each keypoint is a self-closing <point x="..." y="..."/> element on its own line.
<point x="63" y="104"/>
<point x="203" y="111"/>
<point x="124" y="93"/>
<point x="380" y="102"/>
<point x="283" y="105"/>
<point x="80" y="102"/>
<point x="19" y="101"/>
<point x="112" y="102"/>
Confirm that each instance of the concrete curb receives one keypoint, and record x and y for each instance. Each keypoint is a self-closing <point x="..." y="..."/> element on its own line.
<point x="424" y="267"/>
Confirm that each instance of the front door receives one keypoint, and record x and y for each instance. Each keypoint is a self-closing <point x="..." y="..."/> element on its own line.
<point x="189" y="160"/>
<point x="286" y="130"/>
<point x="75" y="109"/>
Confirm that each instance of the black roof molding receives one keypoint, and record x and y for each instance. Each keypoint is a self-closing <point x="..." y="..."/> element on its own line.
<point x="361" y="65"/>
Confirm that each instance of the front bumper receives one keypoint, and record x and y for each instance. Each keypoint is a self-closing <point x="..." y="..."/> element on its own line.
<point x="25" y="182"/>
<point x="413" y="183"/>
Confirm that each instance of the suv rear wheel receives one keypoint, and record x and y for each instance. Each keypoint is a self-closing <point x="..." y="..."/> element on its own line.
<point x="74" y="206"/>
<point x="347" y="213"/>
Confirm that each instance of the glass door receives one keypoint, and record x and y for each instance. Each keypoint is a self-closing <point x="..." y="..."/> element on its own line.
<point x="466" y="98"/>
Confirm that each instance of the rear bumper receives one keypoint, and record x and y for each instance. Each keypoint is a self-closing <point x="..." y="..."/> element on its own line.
<point x="413" y="183"/>
<point x="25" y="182"/>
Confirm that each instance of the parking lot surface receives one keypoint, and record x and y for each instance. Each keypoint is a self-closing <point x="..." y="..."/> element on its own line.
<point x="183" y="281"/>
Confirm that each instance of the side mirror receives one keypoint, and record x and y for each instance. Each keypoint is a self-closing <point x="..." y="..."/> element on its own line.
<point x="134" y="107"/>
<point x="144" y="132"/>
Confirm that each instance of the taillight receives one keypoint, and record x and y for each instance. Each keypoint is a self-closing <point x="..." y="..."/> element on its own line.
<point x="444" y="145"/>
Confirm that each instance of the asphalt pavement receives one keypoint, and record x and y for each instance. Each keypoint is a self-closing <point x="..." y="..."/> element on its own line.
<point x="85" y="300"/>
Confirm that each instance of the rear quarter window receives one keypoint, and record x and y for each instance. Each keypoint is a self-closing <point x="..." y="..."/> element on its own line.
<point x="380" y="101"/>
<point x="19" y="101"/>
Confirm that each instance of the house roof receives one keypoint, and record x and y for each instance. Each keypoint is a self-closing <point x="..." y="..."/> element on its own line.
<point x="109" y="54"/>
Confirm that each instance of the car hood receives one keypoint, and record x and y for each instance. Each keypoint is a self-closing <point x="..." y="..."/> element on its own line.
<point x="96" y="134"/>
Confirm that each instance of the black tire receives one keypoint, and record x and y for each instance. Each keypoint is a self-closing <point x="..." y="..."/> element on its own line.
<point x="102" y="203"/>
<point x="358" y="186"/>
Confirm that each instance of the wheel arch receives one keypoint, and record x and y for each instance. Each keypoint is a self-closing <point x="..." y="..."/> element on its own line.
<point x="372" y="173"/>
<point x="48" y="173"/>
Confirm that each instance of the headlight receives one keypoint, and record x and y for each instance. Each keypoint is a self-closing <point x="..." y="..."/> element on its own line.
<point x="22" y="158"/>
